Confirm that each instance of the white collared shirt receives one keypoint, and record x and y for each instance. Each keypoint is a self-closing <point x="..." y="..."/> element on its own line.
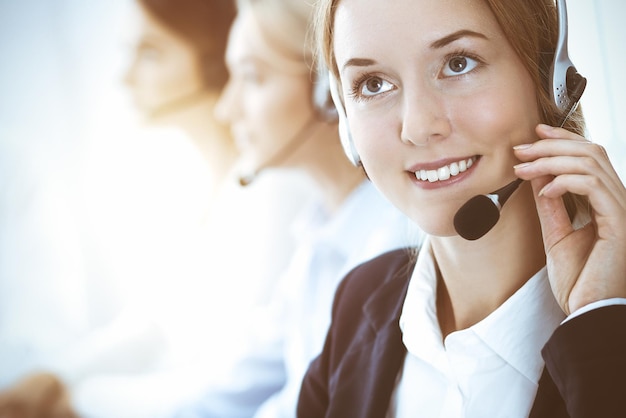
<point x="491" y="369"/>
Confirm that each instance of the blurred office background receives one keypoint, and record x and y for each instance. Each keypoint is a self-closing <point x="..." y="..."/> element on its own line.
<point x="81" y="187"/>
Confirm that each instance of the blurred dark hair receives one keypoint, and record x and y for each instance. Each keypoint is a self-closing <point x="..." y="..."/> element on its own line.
<point x="204" y="24"/>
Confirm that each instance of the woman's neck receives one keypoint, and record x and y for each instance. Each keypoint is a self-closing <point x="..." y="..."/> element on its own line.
<point x="212" y="139"/>
<point x="476" y="277"/>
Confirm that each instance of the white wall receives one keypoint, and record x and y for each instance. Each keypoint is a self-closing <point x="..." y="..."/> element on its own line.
<point x="596" y="42"/>
<point x="54" y="66"/>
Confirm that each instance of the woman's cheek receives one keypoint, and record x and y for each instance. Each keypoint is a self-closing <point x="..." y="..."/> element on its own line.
<point x="370" y="137"/>
<point x="381" y="157"/>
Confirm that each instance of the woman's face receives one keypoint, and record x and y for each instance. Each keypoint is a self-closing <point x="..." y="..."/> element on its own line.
<point x="265" y="104"/>
<point x="165" y="70"/>
<point x="436" y="98"/>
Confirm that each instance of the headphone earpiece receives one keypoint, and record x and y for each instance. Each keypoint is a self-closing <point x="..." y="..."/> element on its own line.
<point x="322" y="100"/>
<point x="344" y="130"/>
<point x="566" y="84"/>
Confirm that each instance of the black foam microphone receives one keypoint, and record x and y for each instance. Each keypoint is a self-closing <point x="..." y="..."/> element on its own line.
<point x="283" y="152"/>
<point x="479" y="214"/>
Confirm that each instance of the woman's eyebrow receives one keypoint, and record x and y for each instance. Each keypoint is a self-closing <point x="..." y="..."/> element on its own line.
<point x="358" y="62"/>
<point x="440" y="43"/>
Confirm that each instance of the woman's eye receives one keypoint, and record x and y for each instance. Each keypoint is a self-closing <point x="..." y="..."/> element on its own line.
<point x="459" y="65"/>
<point x="374" y="85"/>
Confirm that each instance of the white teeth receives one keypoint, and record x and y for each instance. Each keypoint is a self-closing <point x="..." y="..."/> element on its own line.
<point x="454" y="169"/>
<point x="445" y="172"/>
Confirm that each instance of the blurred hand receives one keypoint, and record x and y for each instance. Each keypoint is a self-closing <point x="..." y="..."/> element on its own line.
<point x="40" y="395"/>
<point x="588" y="264"/>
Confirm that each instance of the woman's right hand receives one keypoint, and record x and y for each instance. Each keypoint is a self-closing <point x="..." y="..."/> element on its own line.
<point x="588" y="264"/>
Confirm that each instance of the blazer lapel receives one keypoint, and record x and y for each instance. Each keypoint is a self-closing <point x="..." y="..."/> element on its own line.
<point x="380" y="346"/>
<point x="548" y="401"/>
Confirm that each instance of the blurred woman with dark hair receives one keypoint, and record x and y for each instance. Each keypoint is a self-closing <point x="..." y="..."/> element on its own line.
<point x="182" y="321"/>
<point x="178" y="71"/>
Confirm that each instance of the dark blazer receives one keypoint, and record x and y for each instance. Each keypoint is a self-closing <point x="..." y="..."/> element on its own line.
<point x="355" y="375"/>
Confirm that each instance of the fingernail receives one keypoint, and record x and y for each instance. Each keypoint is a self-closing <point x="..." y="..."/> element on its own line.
<point x="545" y="127"/>
<point x="521" y="165"/>
<point x="544" y="189"/>
<point x="522" y="146"/>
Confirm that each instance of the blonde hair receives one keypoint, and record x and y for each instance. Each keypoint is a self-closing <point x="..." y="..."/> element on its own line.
<point x="286" y="24"/>
<point x="530" y="27"/>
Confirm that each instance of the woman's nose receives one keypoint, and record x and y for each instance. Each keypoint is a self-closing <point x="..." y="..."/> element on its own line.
<point x="424" y="118"/>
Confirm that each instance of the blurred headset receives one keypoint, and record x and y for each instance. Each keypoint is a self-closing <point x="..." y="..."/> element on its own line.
<point x="323" y="102"/>
<point x="323" y="111"/>
<point x="344" y="130"/>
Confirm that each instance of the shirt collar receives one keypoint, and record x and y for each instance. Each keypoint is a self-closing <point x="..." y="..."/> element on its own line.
<point x="522" y="325"/>
<point x="516" y="331"/>
<point x="419" y="324"/>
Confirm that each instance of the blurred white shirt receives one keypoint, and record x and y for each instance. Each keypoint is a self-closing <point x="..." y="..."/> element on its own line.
<point x="199" y="268"/>
<point x="286" y="338"/>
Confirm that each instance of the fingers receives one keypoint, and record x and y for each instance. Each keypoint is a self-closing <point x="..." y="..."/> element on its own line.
<point x="583" y="156"/>
<point x="576" y="166"/>
<point x="585" y="264"/>
<point x="562" y="162"/>
<point x="555" y="222"/>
